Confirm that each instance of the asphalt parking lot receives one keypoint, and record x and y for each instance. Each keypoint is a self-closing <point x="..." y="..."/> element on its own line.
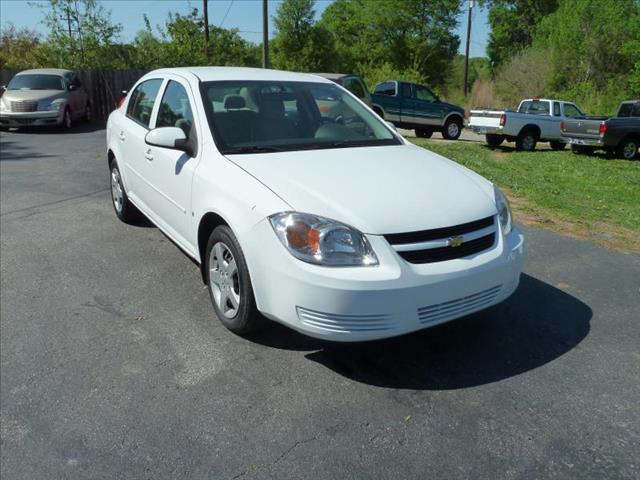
<point x="114" y="367"/>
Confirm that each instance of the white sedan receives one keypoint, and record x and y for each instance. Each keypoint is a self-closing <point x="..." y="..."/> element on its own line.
<point x="302" y="206"/>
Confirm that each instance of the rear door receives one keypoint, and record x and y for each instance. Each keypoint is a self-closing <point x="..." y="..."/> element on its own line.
<point x="132" y="130"/>
<point x="170" y="171"/>
<point x="389" y="100"/>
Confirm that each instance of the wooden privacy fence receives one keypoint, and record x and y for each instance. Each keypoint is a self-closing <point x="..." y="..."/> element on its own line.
<point x="103" y="86"/>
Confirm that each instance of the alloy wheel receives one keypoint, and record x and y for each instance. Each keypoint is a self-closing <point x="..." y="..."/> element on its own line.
<point x="224" y="279"/>
<point x="629" y="150"/>
<point x="116" y="190"/>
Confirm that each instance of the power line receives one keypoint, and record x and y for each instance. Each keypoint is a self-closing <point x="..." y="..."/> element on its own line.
<point x="226" y="13"/>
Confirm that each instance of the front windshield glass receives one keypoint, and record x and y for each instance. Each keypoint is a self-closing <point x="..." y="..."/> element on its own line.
<point x="264" y="116"/>
<point x="36" y="82"/>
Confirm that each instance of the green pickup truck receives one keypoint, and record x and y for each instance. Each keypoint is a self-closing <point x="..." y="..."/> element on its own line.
<point x="413" y="106"/>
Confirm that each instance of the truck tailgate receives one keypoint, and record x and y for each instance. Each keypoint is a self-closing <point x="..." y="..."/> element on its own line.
<point x="485" y="118"/>
<point x="582" y="127"/>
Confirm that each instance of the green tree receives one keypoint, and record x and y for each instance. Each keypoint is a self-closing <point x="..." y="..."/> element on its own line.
<point x="20" y="49"/>
<point x="413" y="35"/>
<point x="300" y="43"/>
<point x="92" y="40"/>
<point x="513" y="23"/>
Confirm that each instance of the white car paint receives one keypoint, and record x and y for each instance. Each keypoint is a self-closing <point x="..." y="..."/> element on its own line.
<point x="377" y="190"/>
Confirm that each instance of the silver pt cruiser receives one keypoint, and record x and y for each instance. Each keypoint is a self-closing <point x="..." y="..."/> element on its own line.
<point x="41" y="97"/>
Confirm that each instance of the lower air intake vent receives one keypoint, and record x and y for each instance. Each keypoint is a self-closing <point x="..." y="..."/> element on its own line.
<point x="458" y="307"/>
<point x="345" y="323"/>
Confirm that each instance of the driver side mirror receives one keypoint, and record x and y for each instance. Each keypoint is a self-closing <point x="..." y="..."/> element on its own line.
<point x="72" y="87"/>
<point x="170" y="137"/>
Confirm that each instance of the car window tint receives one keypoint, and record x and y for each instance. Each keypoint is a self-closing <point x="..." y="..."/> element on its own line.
<point x="571" y="110"/>
<point x="354" y="86"/>
<point x="406" y="90"/>
<point x="175" y="109"/>
<point x="538" y="108"/>
<point x="425" y="94"/>
<point x="142" y="101"/>
<point x="556" y="109"/>
<point x="636" y="110"/>
<point x="386" y="88"/>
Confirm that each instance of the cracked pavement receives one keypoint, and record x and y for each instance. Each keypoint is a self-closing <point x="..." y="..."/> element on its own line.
<point x="113" y="365"/>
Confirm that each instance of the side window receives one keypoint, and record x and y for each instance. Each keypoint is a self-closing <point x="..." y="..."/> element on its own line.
<point x="406" y="90"/>
<point x="571" y="110"/>
<point x="556" y="109"/>
<point x="636" y="110"/>
<point x="625" y="110"/>
<point x="524" y="107"/>
<point x="355" y="86"/>
<point x="175" y="110"/>
<point x="142" y="100"/>
<point x="538" y="107"/>
<point x="386" y="88"/>
<point x="425" y="94"/>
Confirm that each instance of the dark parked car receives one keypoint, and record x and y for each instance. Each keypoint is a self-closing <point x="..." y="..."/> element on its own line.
<point x="413" y="106"/>
<point x="619" y="134"/>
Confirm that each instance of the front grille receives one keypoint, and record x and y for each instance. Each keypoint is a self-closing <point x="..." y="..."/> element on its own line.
<point x="24" y="106"/>
<point x="437" y="233"/>
<point x="458" y="307"/>
<point x="440" y="254"/>
<point x="477" y="236"/>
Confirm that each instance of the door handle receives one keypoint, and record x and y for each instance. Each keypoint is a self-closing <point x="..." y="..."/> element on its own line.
<point x="148" y="155"/>
<point x="121" y="136"/>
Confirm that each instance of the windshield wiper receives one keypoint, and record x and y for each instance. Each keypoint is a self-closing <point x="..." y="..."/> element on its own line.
<point x="251" y="149"/>
<point x="340" y="144"/>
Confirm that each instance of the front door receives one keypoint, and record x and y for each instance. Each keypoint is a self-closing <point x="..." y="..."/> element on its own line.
<point x="427" y="109"/>
<point x="171" y="171"/>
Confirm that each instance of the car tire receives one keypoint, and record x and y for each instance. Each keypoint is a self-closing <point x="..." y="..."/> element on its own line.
<point x="628" y="149"/>
<point x="423" y="132"/>
<point x="379" y="112"/>
<point x="67" y="122"/>
<point x="88" y="113"/>
<point x="452" y="129"/>
<point x="125" y="210"/>
<point x="229" y="284"/>
<point x="557" y="145"/>
<point x="494" y="140"/>
<point x="526" y="141"/>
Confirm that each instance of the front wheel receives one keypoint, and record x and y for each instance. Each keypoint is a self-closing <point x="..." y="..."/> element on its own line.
<point x="494" y="140"/>
<point x="628" y="149"/>
<point x="452" y="129"/>
<point x="423" y="132"/>
<point x="229" y="283"/>
<point x="67" y="123"/>
<point x="557" y="145"/>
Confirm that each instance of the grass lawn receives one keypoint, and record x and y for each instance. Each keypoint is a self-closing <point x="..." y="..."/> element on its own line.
<point x="592" y="197"/>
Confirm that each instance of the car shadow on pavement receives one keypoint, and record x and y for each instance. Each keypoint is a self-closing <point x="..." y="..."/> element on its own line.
<point x="78" y="127"/>
<point x="10" y="150"/>
<point x="538" y="324"/>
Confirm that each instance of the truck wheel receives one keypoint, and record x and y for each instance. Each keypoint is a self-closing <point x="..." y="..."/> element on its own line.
<point x="452" y="129"/>
<point x="423" y="132"/>
<point x="557" y="145"/>
<point x="628" y="149"/>
<point x="494" y="140"/>
<point x="526" y="141"/>
<point x="379" y="112"/>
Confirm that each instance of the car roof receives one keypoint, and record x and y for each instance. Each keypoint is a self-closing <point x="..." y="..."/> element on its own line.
<point x="46" y="71"/>
<point x="336" y="76"/>
<point x="209" y="74"/>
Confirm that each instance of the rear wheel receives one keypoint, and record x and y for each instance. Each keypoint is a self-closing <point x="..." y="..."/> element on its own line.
<point x="557" y="145"/>
<point x="452" y="129"/>
<point x="527" y="140"/>
<point x="423" y="132"/>
<point x="229" y="283"/>
<point x="88" y="114"/>
<point x="628" y="149"/>
<point x="379" y="112"/>
<point x="494" y="140"/>
<point x="125" y="210"/>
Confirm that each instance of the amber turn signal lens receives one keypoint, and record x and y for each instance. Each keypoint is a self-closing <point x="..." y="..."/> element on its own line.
<point x="300" y="235"/>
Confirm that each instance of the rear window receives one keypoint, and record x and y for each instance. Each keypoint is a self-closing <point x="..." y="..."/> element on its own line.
<point x="629" y="110"/>
<point x="36" y="82"/>
<point x="535" y="107"/>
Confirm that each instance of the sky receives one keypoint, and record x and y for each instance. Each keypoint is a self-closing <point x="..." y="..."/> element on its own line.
<point x="245" y="15"/>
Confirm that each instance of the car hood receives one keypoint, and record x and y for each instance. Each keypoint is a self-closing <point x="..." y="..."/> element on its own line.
<point x="378" y="190"/>
<point x="31" y="95"/>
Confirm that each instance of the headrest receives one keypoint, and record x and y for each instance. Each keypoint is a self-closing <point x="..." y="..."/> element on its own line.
<point x="272" y="107"/>
<point x="234" y="102"/>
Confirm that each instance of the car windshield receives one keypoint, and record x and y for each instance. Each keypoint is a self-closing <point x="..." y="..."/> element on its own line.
<point x="265" y="116"/>
<point x="36" y="82"/>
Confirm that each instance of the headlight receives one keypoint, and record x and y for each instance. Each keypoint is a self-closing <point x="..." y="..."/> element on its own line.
<point x="3" y="106"/>
<point x="53" y="106"/>
<point x="318" y="240"/>
<point x="504" y="211"/>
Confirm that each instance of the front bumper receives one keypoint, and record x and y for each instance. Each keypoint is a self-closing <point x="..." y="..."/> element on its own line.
<point x="26" y="119"/>
<point x="368" y="303"/>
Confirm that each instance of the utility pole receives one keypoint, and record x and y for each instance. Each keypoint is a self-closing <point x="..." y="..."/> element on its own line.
<point x="466" y="55"/>
<point x="205" y="11"/>
<point x="265" y="34"/>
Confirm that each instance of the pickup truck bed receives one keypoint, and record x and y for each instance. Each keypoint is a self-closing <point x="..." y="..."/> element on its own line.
<point x="619" y="134"/>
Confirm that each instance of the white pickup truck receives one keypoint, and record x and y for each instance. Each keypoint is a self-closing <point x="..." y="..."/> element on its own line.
<point x="536" y="120"/>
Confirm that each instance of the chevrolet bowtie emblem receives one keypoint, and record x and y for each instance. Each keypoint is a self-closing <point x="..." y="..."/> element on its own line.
<point x="456" y="241"/>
